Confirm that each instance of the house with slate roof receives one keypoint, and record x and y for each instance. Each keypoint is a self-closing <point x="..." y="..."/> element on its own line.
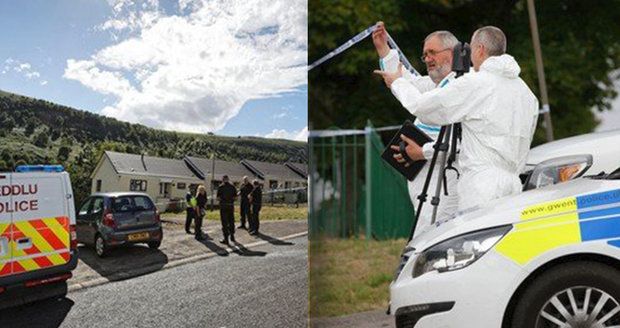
<point x="168" y="180"/>
<point x="214" y="169"/>
<point x="163" y="179"/>
<point x="277" y="176"/>
<point x="299" y="168"/>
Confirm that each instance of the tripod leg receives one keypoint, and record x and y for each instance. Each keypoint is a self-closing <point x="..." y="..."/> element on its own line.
<point x="423" y="194"/>
<point x="442" y="167"/>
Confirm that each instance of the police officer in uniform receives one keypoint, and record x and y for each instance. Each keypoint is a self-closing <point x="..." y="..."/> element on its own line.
<point x="226" y="194"/>
<point x="191" y="203"/>
<point x="244" y="192"/>
<point x="256" y="198"/>
<point x="200" y="210"/>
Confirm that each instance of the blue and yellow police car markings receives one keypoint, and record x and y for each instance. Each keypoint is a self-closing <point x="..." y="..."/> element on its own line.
<point x="615" y="243"/>
<point x="557" y="223"/>
<point x="602" y="223"/>
<point x="597" y="199"/>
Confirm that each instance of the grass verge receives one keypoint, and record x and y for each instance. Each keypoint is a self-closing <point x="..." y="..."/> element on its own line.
<point x="351" y="275"/>
<point x="267" y="213"/>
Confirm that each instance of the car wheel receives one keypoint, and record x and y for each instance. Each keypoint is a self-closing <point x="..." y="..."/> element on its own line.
<point x="578" y="294"/>
<point x="100" y="246"/>
<point x="154" y="244"/>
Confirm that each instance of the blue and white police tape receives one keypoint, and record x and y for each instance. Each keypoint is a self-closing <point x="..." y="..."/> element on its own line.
<point x="356" y="39"/>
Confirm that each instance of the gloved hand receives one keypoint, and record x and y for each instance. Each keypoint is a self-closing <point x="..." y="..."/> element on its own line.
<point x="412" y="150"/>
<point x="380" y="40"/>
<point x="388" y="77"/>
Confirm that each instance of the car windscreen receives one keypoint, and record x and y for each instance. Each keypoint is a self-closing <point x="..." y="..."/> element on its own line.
<point x="615" y="175"/>
<point x="131" y="204"/>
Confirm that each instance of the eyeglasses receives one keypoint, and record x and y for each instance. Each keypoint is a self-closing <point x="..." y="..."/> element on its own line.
<point x="432" y="53"/>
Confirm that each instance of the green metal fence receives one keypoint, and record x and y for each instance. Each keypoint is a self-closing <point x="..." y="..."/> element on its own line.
<point x="352" y="190"/>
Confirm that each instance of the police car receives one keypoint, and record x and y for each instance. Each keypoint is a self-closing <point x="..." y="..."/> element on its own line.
<point x="549" y="257"/>
<point x="38" y="244"/>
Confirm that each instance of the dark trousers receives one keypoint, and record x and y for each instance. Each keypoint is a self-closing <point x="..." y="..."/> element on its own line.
<point x="198" y="223"/>
<point x="245" y="212"/>
<point x="254" y="219"/>
<point x="227" y="216"/>
<point x="189" y="216"/>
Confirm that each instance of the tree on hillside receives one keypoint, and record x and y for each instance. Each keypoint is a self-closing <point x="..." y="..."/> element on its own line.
<point x="63" y="153"/>
<point x="41" y="139"/>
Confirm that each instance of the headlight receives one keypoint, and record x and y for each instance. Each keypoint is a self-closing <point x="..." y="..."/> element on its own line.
<point x="558" y="170"/>
<point x="458" y="252"/>
<point x="404" y="257"/>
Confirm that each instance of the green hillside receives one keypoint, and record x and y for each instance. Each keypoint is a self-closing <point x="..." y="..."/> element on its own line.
<point x="34" y="131"/>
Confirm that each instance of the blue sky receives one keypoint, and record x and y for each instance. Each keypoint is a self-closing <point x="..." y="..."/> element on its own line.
<point x="228" y="67"/>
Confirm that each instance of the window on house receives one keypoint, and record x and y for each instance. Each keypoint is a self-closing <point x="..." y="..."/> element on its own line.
<point x="164" y="189"/>
<point x="273" y="184"/>
<point x="98" y="187"/>
<point x="181" y="185"/>
<point x="137" y="185"/>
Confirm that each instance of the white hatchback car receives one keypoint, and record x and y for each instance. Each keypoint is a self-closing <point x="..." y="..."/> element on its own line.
<point x="548" y="257"/>
<point x="570" y="158"/>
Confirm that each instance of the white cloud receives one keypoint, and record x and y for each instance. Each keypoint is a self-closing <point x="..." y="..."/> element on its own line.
<point x="106" y="82"/>
<point x="44" y="82"/>
<point x="22" y="68"/>
<point x="301" y="135"/>
<point x="280" y="115"/>
<point x="114" y="24"/>
<point x="195" y="70"/>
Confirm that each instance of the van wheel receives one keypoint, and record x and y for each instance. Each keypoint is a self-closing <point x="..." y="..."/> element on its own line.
<point x="154" y="244"/>
<point x="578" y="294"/>
<point x="100" y="246"/>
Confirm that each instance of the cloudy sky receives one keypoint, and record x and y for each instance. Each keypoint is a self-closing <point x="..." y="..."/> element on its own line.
<point x="225" y="66"/>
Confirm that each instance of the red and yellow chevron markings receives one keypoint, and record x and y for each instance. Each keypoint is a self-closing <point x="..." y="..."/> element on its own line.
<point x="5" y="252"/>
<point x="49" y="245"/>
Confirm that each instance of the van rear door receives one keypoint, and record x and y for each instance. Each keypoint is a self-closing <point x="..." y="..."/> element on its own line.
<point x="41" y="234"/>
<point x="6" y="220"/>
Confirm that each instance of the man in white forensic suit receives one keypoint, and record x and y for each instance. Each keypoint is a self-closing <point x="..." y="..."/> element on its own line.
<point x="437" y="55"/>
<point x="498" y="113"/>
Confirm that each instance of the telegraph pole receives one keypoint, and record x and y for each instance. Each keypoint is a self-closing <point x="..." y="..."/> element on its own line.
<point x="539" y="68"/>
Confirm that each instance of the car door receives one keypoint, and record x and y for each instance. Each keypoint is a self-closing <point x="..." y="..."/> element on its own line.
<point x="41" y="223"/>
<point x="144" y="211"/>
<point x="82" y="221"/>
<point x="133" y="212"/>
<point x="95" y="215"/>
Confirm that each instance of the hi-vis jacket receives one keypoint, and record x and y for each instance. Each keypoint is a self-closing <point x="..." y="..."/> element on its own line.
<point x="498" y="113"/>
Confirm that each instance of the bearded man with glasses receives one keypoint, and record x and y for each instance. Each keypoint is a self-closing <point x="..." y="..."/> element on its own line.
<point x="437" y="55"/>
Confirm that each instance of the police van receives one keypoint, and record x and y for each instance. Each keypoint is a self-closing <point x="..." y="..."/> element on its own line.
<point x="549" y="257"/>
<point x="38" y="244"/>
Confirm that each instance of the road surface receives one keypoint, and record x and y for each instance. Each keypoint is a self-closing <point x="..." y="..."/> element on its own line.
<point x="266" y="286"/>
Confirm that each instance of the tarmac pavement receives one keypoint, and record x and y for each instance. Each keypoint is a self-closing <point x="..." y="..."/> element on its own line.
<point x="266" y="286"/>
<point x="177" y="248"/>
